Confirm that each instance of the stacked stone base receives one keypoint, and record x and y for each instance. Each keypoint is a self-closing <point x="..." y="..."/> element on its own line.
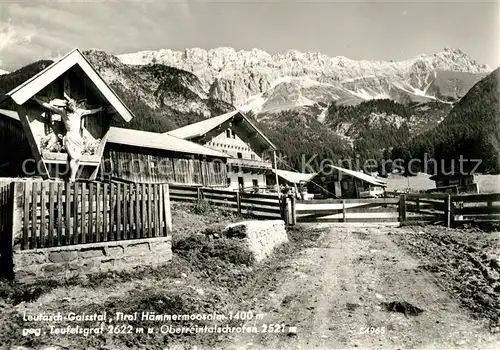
<point x="82" y="259"/>
<point x="261" y="237"/>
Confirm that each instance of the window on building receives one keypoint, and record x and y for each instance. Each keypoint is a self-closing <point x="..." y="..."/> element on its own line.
<point x="252" y="156"/>
<point x="232" y="133"/>
<point x="240" y="155"/>
<point x="153" y="166"/>
<point x="255" y="184"/>
<point x="228" y="182"/>
<point x="241" y="183"/>
<point x="228" y="133"/>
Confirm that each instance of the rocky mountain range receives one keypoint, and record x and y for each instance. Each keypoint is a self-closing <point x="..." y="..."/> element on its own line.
<point x="259" y="82"/>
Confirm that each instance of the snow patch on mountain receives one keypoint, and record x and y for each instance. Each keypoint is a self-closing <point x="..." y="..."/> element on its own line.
<point x="2" y="72"/>
<point x="260" y="82"/>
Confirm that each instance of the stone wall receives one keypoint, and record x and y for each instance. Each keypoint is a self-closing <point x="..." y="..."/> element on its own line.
<point x="261" y="237"/>
<point x="75" y="260"/>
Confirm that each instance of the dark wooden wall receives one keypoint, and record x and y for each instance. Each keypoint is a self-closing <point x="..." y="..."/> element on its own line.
<point x="78" y="86"/>
<point x="141" y="165"/>
<point x="14" y="148"/>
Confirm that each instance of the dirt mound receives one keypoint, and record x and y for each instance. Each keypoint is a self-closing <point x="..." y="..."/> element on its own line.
<point x="465" y="261"/>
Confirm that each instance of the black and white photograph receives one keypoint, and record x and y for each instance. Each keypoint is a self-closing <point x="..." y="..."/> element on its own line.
<point x="249" y="174"/>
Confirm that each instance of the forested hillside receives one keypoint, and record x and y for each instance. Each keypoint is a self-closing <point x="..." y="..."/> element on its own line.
<point x="472" y="129"/>
<point x="303" y="140"/>
<point x="12" y="80"/>
<point x="378" y="125"/>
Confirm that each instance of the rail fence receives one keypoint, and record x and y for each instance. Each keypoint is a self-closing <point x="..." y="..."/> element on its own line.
<point x="427" y="207"/>
<point x="255" y="204"/>
<point x="49" y="214"/>
<point x="43" y="214"/>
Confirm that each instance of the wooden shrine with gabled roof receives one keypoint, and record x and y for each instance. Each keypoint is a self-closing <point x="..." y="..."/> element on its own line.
<point x="71" y="78"/>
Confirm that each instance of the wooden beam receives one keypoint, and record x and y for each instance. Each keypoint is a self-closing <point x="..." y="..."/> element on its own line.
<point x="23" y="113"/>
<point x="402" y="208"/>
<point x="100" y="152"/>
<point x="275" y="162"/>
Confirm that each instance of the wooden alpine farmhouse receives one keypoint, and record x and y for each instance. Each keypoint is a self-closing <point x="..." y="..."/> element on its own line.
<point x="250" y="152"/>
<point x="339" y="182"/>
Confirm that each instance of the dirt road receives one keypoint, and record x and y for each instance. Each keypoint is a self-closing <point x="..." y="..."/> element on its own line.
<point x="336" y="294"/>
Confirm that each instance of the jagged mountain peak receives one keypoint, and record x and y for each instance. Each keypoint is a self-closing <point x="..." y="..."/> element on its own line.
<point x="241" y="76"/>
<point x="452" y="59"/>
<point x="99" y="56"/>
<point x="144" y="57"/>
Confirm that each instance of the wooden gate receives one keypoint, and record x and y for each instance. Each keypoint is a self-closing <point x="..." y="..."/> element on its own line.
<point x="429" y="207"/>
<point x="348" y="210"/>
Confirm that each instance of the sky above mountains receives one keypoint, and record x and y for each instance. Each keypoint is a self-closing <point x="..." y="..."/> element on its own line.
<point x="373" y="30"/>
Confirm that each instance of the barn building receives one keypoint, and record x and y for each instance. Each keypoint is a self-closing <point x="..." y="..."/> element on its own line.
<point x="337" y="182"/>
<point x="459" y="179"/>
<point x="251" y="154"/>
<point x="147" y="157"/>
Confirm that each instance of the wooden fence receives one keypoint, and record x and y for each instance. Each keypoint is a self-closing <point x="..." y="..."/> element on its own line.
<point x="49" y="214"/>
<point x="475" y="207"/>
<point x="255" y="204"/>
<point x="427" y="207"/>
<point x="423" y="207"/>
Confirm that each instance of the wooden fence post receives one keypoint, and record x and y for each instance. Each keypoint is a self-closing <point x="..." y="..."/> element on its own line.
<point x="198" y="192"/>
<point x="402" y="208"/>
<point x="11" y="215"/>
<point x="284" y="209"/>
<point x="17" y="214"/>
<point x="293" y="212"/>
<point x="447" y="210"/>
<point x="286" y="214"/>
<point x="343" y="211"/>
<point x="168" y="213"/>
<point x="238" y="201"/>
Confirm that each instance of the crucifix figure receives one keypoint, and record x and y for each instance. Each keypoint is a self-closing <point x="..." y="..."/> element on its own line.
<point x="72" y="114"/>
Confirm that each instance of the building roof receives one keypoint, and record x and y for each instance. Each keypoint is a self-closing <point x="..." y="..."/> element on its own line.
<point x="467" y="168"/>
<point x="11" y="114"/>
<point x="202" y="127"/>
<point x="159" y="141"/>
<point x="32" y="86"/>
<point x="362" y="176"/>
<point x="238" y="119"/>
<point x="294" y="177"/>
